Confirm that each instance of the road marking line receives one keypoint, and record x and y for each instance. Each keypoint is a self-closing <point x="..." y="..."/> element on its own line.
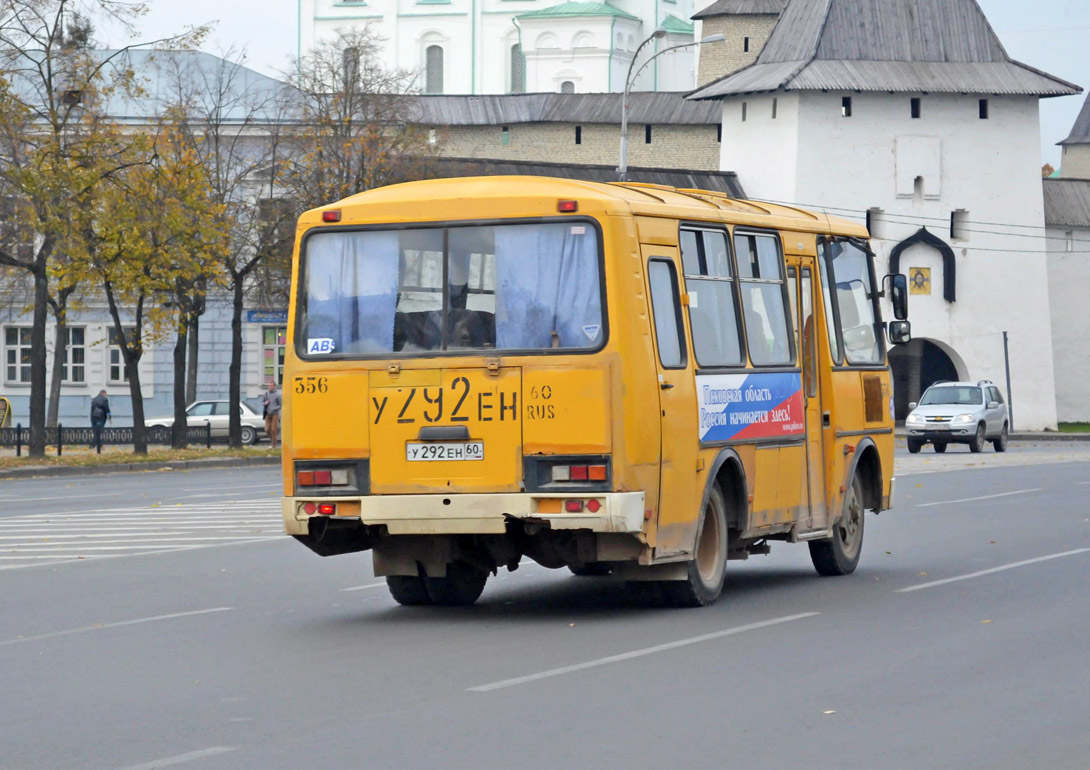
<point x="181" y="758"/>
<point x="73" y="498"/>
<point x="152" y="619"/>
<point x="638" y="653"/>
<point x="134" y="545"/>
<point x="1082" y="483"/>
<point x="121" y="531"/>
<point x="365" y="587"/>
<point x="51" y="560"/>
<point x="991" y="571"/>
<point x="982" y="497"/>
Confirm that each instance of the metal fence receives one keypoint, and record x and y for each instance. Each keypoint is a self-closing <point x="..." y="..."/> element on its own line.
<point x="60" y="437"/>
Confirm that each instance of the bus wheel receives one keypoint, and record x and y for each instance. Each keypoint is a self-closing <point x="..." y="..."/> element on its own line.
<point x="707" y="571"/>
<point x="462" y="585"/>
<point x="407" y="589"/>
<point x="839" y="555"/>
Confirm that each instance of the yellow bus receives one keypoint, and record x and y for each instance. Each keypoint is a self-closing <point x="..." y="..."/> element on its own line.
<point x="619" y="379"/>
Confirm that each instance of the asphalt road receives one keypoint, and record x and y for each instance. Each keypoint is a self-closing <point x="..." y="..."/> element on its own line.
<point x="963" y="640"/>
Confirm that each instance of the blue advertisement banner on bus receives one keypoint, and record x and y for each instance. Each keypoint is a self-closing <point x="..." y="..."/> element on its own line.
<point x="735" y="407"/>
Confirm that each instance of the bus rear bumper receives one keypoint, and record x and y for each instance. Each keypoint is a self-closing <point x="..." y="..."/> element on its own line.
<point x="478" y="514"/>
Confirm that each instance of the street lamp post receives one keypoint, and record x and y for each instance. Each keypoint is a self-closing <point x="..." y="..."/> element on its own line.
<point x="622" y="169"/>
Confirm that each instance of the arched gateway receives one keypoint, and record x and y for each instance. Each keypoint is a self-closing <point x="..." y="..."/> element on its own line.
<point x="918" y="365"/>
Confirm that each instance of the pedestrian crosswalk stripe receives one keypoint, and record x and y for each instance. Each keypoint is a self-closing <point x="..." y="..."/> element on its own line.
<point x="88" y="535"/>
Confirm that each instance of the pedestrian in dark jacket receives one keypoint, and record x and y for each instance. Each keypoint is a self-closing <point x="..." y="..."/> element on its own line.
<point x="100" y="413"/>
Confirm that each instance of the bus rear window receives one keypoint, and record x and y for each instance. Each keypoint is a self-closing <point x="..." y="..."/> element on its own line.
<point x="502" y="287"/>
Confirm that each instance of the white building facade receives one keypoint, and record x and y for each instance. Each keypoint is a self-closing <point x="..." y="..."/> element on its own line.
<point x="933" y="137"/>
<point x="515" y="46"/>
<point x="1067" y="216"/>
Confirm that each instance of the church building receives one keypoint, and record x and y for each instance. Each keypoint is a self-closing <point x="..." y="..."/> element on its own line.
<point x="910" y="115"/>
<point x="515" y="46"/>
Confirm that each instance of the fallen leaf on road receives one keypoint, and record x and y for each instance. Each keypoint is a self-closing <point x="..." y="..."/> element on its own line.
<point x="571" y="625"/>
<point x="992" y="542"/>
<point x="923" y="574"/>
<point x="829" y="712"/>
<point x="986" y="621"/>
<point x="889" y="552"/>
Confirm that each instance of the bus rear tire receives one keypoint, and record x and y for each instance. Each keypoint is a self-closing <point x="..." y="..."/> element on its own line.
<point x="708" y="569"/>
<point x="461" y="587"/>
<point x="407" y="590"/>
<point x="839" y="555"/>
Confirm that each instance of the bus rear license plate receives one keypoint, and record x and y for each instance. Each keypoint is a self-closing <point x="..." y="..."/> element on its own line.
<point x="433" y="451"/>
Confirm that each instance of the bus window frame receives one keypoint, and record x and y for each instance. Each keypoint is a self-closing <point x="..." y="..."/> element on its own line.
<point x="733" y="279"/>
<point x="794" y="364"/>
<point x="834" y="301"/>
<point x="300" y="286"/>
<point x="679" y="316"/>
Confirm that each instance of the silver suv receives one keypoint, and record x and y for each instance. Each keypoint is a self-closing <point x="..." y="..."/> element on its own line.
<point x="958" y="413"/>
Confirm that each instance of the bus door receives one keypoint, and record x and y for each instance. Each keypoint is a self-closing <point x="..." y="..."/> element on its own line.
<point x="801" y="287"/>
<point x="677" y="504"/>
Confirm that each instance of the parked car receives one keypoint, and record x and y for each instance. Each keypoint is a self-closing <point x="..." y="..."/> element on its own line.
<point x="217" y="414"/>
<point x="958" y="413"/>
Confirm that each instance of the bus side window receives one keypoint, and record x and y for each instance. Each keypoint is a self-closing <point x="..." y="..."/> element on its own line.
<point x="713" y="305"/>
<point x="809" y="350"/>
<point x="760" y="267"/>
<point x="827" y="299"/>
<point x="666" y="304"/>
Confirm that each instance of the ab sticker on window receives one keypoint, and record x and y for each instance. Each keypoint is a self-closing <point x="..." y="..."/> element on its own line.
<point x="592" y="331"/>
<point x="319" y="346"/>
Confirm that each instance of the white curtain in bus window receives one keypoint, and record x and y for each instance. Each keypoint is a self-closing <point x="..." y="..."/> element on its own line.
<point x="352" y="291"/>
<point x="855" y="298"/>
<point x="547" y="281"/>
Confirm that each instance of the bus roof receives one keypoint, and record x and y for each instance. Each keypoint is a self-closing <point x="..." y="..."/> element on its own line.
<point x="614" y="197"/>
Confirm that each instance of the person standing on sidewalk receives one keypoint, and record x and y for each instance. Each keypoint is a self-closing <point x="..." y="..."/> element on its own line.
<point x="100" y="413"/>
<point x="273" y="404"/>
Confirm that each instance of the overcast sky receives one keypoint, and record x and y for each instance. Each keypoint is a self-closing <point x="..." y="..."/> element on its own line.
<point x="1052" y="35"/>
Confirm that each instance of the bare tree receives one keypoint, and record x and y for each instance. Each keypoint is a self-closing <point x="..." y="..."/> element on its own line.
<point x="357" y="128"/>
<point x="236" y="122"/>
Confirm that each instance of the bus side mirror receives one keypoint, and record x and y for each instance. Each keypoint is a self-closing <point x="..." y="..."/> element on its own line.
<point x="900" y="332"/>
<point x="898" y="295"/>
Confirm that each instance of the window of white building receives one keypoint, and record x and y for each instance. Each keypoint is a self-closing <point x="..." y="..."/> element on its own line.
<point x="17" y="355"/>
<point x="518" y="69"/>
<point x="433" y="69"/>
<point x="567" y="87"/>
<point x="274" y="341"/>
<point x="115" y="360"/>
<point x="74" y="360"/>
<point x="959" y="225"/>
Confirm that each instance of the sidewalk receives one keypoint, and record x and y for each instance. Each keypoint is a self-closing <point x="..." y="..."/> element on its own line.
<point x="47" y="471"/>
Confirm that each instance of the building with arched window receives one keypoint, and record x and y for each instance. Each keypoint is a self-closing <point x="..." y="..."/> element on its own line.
<point x="488" y="47"/>
<point x="919" y="124"/>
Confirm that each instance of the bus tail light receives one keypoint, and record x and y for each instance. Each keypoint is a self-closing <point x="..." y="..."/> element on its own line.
<point x="567" y="207"/>
<point x="573" y="506"/>
<point x="309" y="508"/>
<point x="327" y="509"/>
<point x="335" y="477"/>
<point x="331" y="215"/>
<point x="594" y="506"/>
<point x="590" y="472"/>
